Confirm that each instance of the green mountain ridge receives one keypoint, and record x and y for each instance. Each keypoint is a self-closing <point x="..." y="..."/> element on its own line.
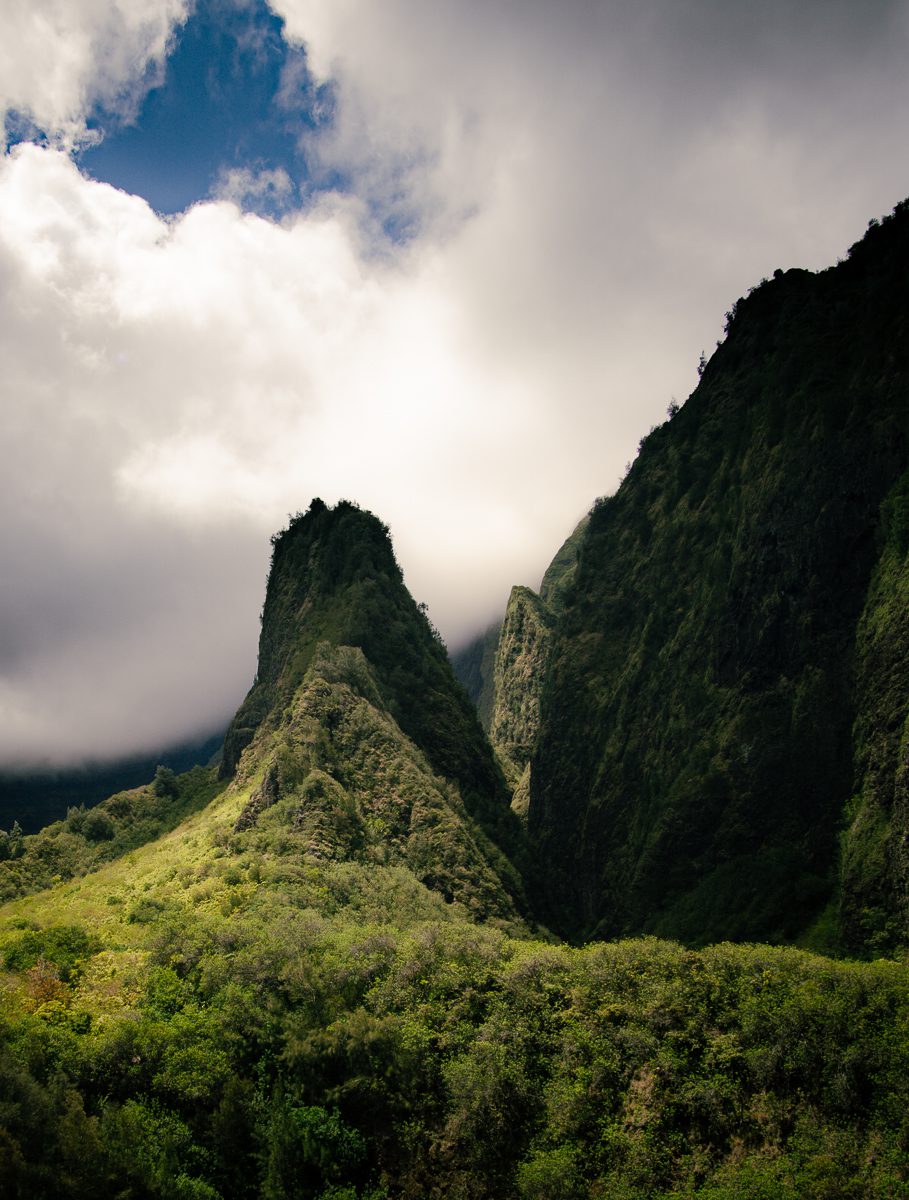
<point x="521" y="654"/>
<point x="503" y="668"/>
<point x="705" y="710"/>
<point x="474" y="666"/>
<point x="718" y="668"/>
<point x="342" y="775"/>
<point x="355" y="718"/>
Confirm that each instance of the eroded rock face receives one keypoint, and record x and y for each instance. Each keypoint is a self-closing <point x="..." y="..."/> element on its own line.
<point x="267" y="794"/>
<point x="519" y="669"/>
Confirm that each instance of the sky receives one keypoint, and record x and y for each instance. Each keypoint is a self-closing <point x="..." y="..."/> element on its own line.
<point x="450" y="260"/>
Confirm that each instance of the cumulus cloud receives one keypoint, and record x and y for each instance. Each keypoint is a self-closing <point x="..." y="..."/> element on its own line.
<point x="61" y="58"/>
<point x="549" y="209"/>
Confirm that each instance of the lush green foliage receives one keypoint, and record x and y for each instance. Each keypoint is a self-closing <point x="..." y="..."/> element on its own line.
<point x="313" y="978"/>
<point x="341" y="781"/>
<point x="697" y="752"/>
<point x="334" y="579"/>
<point x="270" y="1051"/>
<point x="87" y="838"/>
<point x="875" y="872"/>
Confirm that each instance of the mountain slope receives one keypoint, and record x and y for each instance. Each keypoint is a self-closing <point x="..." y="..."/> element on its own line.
<point x="338" y="780"/>
<point x="210" y="1018"/>
<point x="334" y="757"/>
<point x="474" y="667"/>
<point x="347" y="655"/>
<point x="875" y="844"/>
<point x="521" y="654"/>
<point x="695" y="758"/>
<point x="503" y="669"/>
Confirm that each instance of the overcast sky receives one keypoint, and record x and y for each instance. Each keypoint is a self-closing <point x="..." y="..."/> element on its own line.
<point x="448" y="259"/>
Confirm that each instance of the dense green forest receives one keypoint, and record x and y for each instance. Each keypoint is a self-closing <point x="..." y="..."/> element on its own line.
<point x="352" y="962"/>
<point x="721" y="748"/>
<point x="261" y="1046"/>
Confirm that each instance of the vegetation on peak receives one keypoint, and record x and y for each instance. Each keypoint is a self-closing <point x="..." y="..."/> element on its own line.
<point x="334" y="579"/>
<point x="560" y="573"/>
<point x="338" y="780"/>
<point x="504" y="668"/>
<point x="519" y="670"/>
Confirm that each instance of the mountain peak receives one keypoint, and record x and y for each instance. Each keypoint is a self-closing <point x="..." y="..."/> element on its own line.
<point x="322" y="567"/>
<point x="321" y="555"/>
<point x="336" y="599"/>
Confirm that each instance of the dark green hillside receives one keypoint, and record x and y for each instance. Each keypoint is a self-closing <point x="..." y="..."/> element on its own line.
<point x="875" y="846"/>
<point x="697" y="757"/>
<point x="334" y="578"/>
<point x="38" y="797"/>
<point x="339" y="781"/>
<point x="474" y="666"/>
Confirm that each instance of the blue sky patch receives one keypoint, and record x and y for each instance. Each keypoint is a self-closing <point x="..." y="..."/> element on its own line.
<point x="236" y="98"/>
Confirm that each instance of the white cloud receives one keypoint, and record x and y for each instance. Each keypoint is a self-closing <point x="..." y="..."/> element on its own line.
<point x="173" y="390"/>
<point x="58" y="58"/>
<point x="591" y="187"/>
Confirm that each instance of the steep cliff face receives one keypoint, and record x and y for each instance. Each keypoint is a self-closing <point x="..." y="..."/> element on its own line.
<point x="474" y="666"/>
<point x="874" y="904"/>
<point x="356" y="733"/>
<point x="696" y="753"/>
<point x="520" y="664"/>
<point x="555" y="588"/>
<point x="503" y="669"/>
<point x="339" y="781"/>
